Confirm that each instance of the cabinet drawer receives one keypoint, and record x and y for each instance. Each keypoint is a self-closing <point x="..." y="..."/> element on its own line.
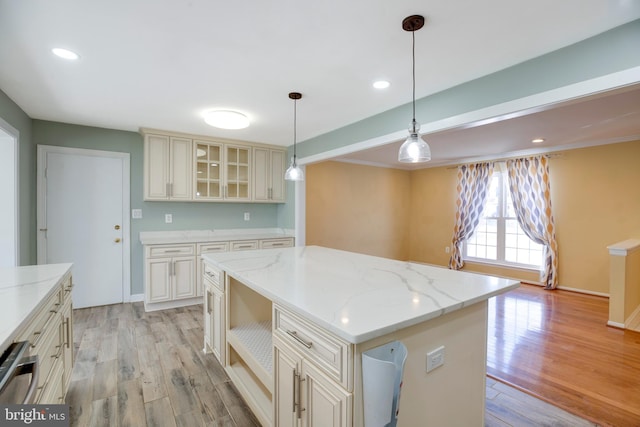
<point x="276" y="243"/>
<point x="42" y="325"/>
<point x="163" y="251"/>
<point x="206" y="248"/>
<point x="326" y="351"/>
<point x="244" y="245"/>
<point x="214" y="276"/>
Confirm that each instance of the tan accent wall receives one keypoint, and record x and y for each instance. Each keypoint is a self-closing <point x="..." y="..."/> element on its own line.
<point x="595" y="197"/>
<point x="358" y="208"/>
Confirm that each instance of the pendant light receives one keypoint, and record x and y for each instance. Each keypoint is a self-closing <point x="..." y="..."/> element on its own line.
<point x="414" y="149"/>
<point x="294" y="173"/>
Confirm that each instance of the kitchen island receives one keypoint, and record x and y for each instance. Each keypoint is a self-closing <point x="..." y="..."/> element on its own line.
<point x="291" y="326"/>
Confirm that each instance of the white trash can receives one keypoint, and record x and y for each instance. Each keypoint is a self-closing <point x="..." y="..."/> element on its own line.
<point x="382" y="369"/>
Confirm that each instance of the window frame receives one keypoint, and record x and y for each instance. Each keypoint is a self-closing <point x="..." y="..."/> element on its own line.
<point x="501" y="220"/>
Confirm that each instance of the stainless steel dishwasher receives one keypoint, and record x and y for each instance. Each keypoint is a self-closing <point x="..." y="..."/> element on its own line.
<point x="18" y="374"/>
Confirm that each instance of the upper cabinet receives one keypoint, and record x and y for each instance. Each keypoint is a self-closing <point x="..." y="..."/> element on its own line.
<point x="167" y="168"/>
<point x="268" y="175"/>
<point x="183" y="168"/>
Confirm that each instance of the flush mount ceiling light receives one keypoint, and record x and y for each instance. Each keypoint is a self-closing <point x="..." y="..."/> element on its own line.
<point x="414" y="149"/>
<point x="65" y="53"/>
<point x="537" y="140"/>
<point x="381" y="84"/>
<point x="294" y="173"/>
<point x="226" y="119"/>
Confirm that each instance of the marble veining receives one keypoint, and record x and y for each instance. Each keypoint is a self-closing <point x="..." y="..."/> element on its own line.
<point x="357" y="297"/>
<point x="22" y="290"/>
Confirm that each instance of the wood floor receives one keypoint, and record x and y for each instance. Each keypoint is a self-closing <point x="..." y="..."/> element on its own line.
<point x="147" y="369"/>
<point x="556" y="345"/>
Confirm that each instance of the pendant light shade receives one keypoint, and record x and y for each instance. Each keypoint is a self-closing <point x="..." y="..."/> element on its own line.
<point x="414" y="149"/>
<point x="294" y="172"/>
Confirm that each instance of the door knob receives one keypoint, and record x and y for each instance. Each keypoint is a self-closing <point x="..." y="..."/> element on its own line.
<point x="117" y="240"/>
<point x="117" y="227"/>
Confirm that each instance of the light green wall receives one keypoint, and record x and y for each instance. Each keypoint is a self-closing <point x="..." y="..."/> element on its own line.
<point x="186" y="216"/>
<point x="11" y="113"/>
<point x="606" y="53"/>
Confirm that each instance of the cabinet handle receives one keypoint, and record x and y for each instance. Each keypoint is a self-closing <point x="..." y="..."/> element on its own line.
<point x="172" y="251"/>
<point x="294" y="335"/>
<point x="277" y="244"/>
<point x="209" y="302"/>
<point x="167" y="189"/>
<point x="300" y="408"/>
<point x="171" y="189"/>
<point x="171" y="268"/>
<point x="295" y="384"/>
<point x="68" y="331"/>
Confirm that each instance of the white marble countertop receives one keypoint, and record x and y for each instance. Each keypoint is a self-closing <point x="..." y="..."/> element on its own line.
<point x="203" y="236"/>
<point x="357" y="297"/>
<point x="22" y="290"/>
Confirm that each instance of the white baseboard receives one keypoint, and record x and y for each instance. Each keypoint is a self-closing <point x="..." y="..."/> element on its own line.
<point x="155" y="306"/>
<point x="615" y="324"/>
<point x="136" y="298"/>
<point x="633" y="321"/>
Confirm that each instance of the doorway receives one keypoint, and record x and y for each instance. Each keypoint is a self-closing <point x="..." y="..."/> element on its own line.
<point x="9" y="242"/>
<point x="83" y="205"/>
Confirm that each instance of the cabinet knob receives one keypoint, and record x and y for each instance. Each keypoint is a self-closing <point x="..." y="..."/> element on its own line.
<point x="117" y="240"/>
<point x="117" y="227"/>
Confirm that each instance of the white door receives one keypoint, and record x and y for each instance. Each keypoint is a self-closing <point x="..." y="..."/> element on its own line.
<point x="82" y="218"/>
<point x="8" y="195"/>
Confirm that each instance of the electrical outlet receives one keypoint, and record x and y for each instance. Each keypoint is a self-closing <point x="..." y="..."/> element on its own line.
<point x="247" y="216"/>
<point x="136" y="213"/>
<point x="168" y="218"/>
<point x="435" y="358"/>
<point x="447" y="249"/>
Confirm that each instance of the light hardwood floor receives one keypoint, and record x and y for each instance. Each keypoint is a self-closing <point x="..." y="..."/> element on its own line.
<point x="148" y="369"/>
<point x="557" y="346"/>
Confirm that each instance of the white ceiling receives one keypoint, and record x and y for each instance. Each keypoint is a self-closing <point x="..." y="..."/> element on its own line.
<point x="159" y="64"/>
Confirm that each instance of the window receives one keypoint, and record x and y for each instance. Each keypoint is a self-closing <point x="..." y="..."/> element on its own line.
<point x="499" y="239"/>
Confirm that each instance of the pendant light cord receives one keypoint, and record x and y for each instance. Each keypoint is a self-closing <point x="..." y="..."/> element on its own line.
<point x="295" y="102"/>
<point x="413" y="59"/>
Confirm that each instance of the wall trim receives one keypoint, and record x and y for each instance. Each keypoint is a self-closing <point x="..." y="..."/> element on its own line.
<point x="136" y="298"/>
<point x="615" y="324"/>
<point x="15" y="135"/>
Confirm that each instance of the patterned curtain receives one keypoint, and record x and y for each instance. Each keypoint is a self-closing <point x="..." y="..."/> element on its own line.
<point x="473" y="189"/>
<point x="531" y="194"/>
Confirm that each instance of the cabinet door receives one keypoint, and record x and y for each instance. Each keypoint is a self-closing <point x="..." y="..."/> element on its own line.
<point x="218" y="325"/>
<point x="285" y="382"/>
<point x="67" y="335"/>
<point x="158" y="280"/>
<point x="277" y="169"/>
<point x="208" y="171"/>
<point x="181" y="167"/>
<point x="237" y="172"/>
<point x="208" y="310"/>
<point x="156" y="167"/>
<point x="325" y="402"/>
<point x="261" y="174"/>
<point x="184" y="277"/>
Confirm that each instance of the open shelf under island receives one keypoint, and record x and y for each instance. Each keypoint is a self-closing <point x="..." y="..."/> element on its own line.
<point x="291" y="325"/>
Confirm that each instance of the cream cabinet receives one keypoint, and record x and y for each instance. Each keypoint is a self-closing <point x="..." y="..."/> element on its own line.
<point x="50" y="335"/>
<point x="214" y="313"/>
<point x="268" y="175"/>
<point x="182" y="167"/>
<point x="304" y="395"/>
<point x="207" y="248"/>
<point x="170" y="273"/>
<point x="168" y="168"/>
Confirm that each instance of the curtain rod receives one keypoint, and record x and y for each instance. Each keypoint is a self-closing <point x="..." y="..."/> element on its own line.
<point x="502" y="159"/>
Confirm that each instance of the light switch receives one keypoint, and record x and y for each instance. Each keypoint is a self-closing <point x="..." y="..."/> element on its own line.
<point x="168" y="218"/>
<point x="247" y="216"/>
<point x="136" y="213"/>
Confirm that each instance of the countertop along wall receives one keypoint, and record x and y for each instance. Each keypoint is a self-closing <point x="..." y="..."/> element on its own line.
<point x="186" y="216"/>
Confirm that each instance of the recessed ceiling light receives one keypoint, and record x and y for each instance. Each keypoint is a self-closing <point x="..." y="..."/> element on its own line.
<point x="65" y="53"/>
<point x="537" y="140"/>
<point x="381" y="84"/>
<point x="226" y="119"/>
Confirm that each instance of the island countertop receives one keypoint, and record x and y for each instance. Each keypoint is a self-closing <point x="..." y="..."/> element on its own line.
<point x="22" y="290"/>
<point x="358" y="297"/>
